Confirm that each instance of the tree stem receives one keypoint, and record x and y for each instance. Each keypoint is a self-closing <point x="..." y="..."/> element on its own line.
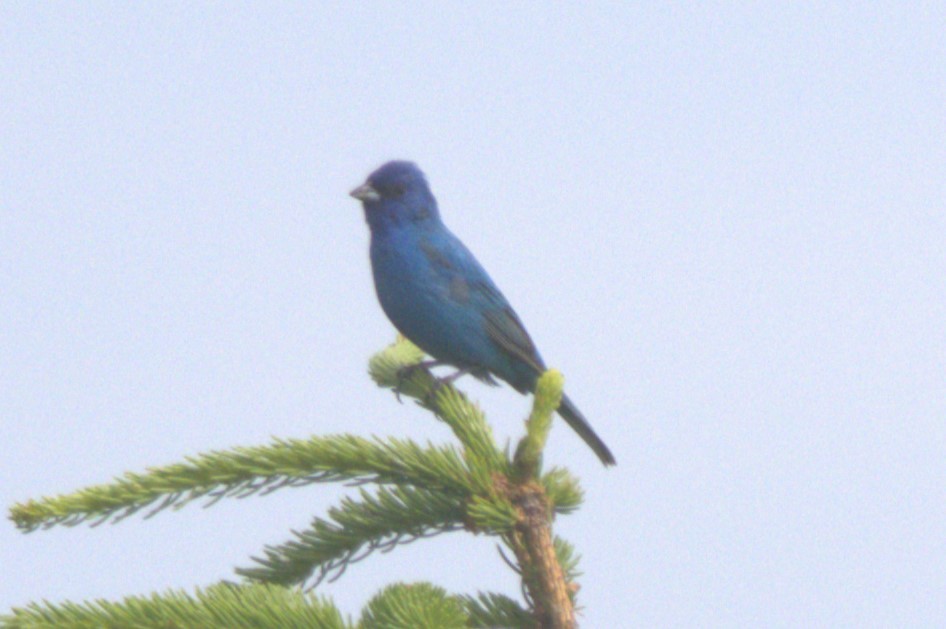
<point x="542" y="573"/>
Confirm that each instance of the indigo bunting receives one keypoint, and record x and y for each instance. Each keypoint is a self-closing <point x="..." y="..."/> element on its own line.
<point x="437" y="295"/>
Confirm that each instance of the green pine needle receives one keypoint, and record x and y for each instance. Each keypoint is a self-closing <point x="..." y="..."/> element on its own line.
<point x="414" y="606"/>
<point x="568" y="558"/>
<point x="356" y="528"/>
<point x="496" y="515"/>
<point x="562" y="489"/>
<point x="244" y="471"/>
<point x="397" y="367"/>
<point x="490" y="610"/>
<point x="221" y="606"/>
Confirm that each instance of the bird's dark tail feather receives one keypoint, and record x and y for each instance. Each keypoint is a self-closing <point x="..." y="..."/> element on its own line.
<point x="579" y="424"/>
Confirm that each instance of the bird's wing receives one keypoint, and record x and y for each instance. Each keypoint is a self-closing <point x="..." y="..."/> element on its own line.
<point x="469" y="284"/>
<point x="506" y="330"/>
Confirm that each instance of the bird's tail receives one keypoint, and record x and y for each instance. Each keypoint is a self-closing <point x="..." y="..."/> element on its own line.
<point x="579" y="424"/>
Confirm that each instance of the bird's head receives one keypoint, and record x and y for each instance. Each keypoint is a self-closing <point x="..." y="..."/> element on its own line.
<point x="396" y="193"/>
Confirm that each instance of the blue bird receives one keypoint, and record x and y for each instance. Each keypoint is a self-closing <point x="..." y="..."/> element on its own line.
<point x="436" y="293"/>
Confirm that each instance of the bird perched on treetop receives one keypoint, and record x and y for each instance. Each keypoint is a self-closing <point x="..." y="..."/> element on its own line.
<point x="436" y="293"/>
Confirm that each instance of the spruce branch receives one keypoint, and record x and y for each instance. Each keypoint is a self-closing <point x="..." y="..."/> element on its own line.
<point x="222" y="606"/>
<point x="409" y="606"/>
<point x="494" y="514"/>
<point x="469" y="425"/>
<point x="568" y="558"/>
<point x="392" y="516"/>
<point x="562" y="490"/>
<point x="243" y="471"/>
<point x="490" y="610"/>
<point x="418" y="491"/>
<point x="400" y="367"/>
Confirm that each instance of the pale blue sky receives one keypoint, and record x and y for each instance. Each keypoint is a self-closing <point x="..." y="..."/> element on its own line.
<point x="725" y="225"/>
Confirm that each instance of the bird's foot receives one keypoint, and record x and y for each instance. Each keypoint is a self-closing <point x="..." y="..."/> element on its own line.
<point x="439" y="383"/>
<point x="404" y="373"/>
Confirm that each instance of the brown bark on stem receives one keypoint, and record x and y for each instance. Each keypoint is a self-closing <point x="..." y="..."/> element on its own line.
<point x="531" y="541"/>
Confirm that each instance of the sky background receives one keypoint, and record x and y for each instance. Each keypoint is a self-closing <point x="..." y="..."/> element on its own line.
<point x="725" y="225"/>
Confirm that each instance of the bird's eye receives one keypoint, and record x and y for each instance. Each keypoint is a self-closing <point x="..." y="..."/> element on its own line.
<point x="397" y="190"/>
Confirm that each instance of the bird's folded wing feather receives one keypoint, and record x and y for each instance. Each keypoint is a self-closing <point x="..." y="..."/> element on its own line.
<point x="470" y="283"/>
<point x="506" y="330"/>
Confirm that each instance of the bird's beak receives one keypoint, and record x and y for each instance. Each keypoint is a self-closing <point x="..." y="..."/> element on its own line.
<point x="365" y="193"/>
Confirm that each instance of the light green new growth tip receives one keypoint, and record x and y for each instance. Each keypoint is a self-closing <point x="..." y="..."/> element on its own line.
<point x="548" y="395"/>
